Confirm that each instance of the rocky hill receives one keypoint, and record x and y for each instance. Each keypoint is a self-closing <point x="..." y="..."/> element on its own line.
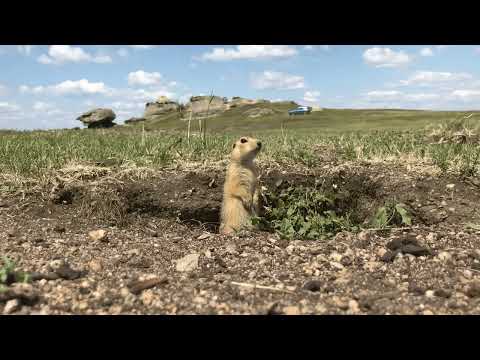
<point x="166" y="110"/>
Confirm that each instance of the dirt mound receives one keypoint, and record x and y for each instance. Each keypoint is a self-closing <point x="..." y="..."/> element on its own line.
<point x="195" y="197"/>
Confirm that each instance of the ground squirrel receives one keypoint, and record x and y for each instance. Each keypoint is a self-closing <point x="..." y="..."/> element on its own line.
<point x="241" y="193"/>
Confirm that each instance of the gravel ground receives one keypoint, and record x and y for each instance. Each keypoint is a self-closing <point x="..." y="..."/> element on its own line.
<point x="160" y="260"/>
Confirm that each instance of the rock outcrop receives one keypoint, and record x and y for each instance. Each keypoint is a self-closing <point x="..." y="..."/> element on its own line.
<point x="238" y="101"/>
<point x="98" y="118"/>
<point x="162" y="106"/>
<point x="199" y="104"/>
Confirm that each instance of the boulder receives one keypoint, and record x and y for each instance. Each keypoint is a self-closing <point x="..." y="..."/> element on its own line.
<point x="98" y="118"/>
<point x="200" y="104"/>
<point x="160" y="107"/>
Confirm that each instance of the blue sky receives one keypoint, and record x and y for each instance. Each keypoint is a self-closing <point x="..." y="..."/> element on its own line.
<point x="50" y="86"/>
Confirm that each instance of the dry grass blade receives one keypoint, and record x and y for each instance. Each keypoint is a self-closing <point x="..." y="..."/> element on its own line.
<point x="137" y="287"/>
<point x="263" y="287"/>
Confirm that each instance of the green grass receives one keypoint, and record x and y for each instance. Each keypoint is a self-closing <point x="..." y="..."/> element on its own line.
<point x="39" y="152"/>
<point x="9" y="274"/>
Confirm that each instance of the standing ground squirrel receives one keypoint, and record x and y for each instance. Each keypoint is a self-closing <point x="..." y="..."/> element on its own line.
<point x="241" y="193"/>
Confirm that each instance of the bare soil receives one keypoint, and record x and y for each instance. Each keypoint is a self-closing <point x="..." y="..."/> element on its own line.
<point x="152" y="223"/>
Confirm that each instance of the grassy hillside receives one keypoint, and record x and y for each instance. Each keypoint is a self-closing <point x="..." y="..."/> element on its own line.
<point x="354" y="134"/>
<point x="40" y="152"/>
<point x="329" y="120"/>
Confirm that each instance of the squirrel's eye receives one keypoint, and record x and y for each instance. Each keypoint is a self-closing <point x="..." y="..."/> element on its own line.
<point x="243" y="141"/>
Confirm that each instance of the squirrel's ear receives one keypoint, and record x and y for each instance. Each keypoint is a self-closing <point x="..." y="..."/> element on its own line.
<point x="234" y="145"/>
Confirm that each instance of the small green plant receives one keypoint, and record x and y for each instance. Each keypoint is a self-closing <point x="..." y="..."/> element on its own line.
<point x="9" y="275"/>
<point x="302" y="212"/>
<point x="348" y="151"/>
<point x="470" y="161"/>
<point x="305" y="157"/>
<point x="391" y="214"/>
<point x="441" y="157"/>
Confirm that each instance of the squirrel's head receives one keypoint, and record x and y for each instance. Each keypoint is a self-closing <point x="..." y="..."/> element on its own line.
<point x="245" y="149"/>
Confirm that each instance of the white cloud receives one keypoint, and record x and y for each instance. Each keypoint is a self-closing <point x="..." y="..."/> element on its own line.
<point x="142" y="47"/>
<point x="24" y="89"/>
<point x="426" y="52"/>
<point x="11" y="115"/>
<point x="42" y="106"/>
<point x="185" y="98"/>
<point x="121" y="97"/>
<point x="311" y="96"/>
<point x="129" y="95"/>
<point x="393" y="95"/>
<point x="425" y="78"/>
<point x="250" y="52"/>
<point x="124" y="113"/>
<point x="421" y="97"/>
<point x="68" y="87"/>
<point x="277" y="80"/>
<point x="385" y="57"/>
<point x="466" y="95"/>
<point x="82" y="86"/>
<point x="44" y="59"/>
<point x="122" y="52"/>
<point x="102" y="59"/>
<point x="384" y="95"/>
<point x="6" y="108"/>
<point x="3" y="90"/>
<point x="313" y="47"/>
<point x="60" y="54"/>
<point x="127" y="105"/>
<point x="46" y="108"/>
<point x="25" y="49"/>
<point x="141" y="77"/>
<point x="149" y="95"/>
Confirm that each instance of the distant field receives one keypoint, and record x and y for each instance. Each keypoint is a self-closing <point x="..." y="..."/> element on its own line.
<point x="326" y="121"/>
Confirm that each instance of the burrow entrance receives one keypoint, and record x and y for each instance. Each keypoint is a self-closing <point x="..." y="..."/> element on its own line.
<point x="194" y="198"/>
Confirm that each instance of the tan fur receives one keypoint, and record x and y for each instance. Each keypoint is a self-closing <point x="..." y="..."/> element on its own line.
<point x="241" y="193"/>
